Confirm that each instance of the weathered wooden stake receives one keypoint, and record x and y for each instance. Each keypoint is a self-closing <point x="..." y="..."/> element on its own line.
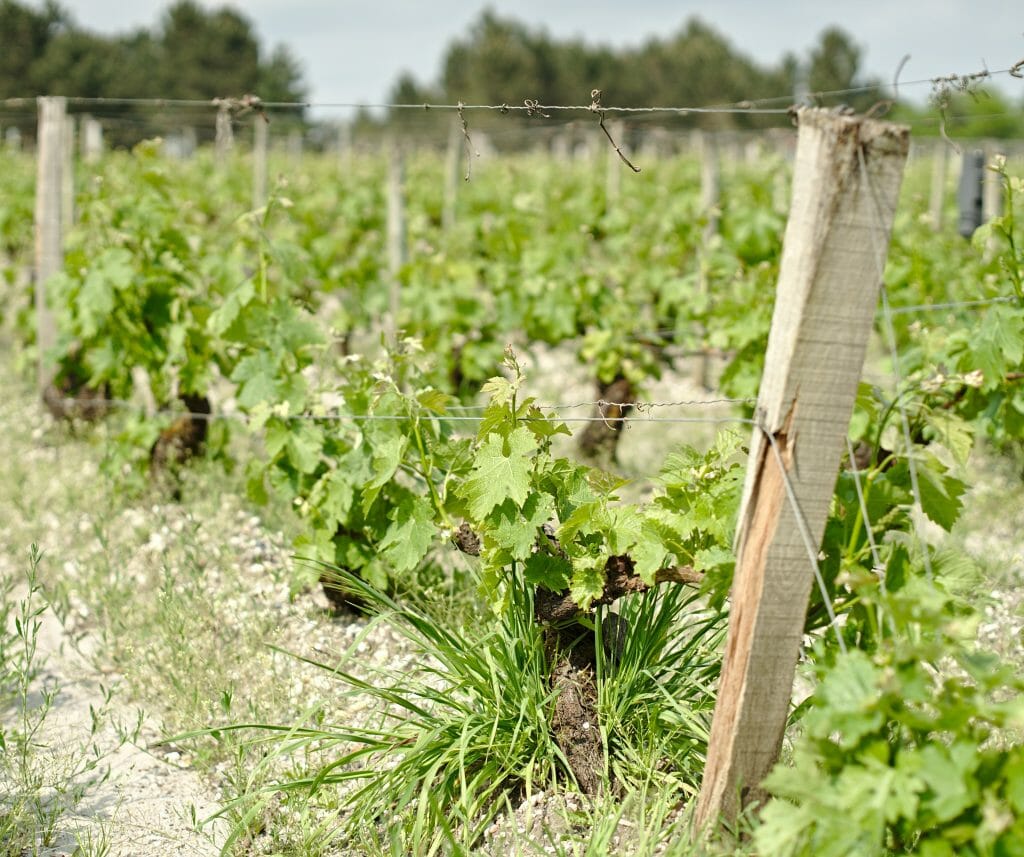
<point x="92" y="139"/>
<point x="396" y="238"/>
<point x="992" y="187"/>
<point x="845" y="185"/>
<point x="224" y="135"/>
<point x="260" y="143"/>
<point x="710" y="180"/>
<point x="49" y="250"/>
<point x="936" y="202"/>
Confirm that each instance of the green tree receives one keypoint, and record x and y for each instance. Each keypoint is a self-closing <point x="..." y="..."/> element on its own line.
<point x="25" y="34"/>
<point x="834" y="66"/>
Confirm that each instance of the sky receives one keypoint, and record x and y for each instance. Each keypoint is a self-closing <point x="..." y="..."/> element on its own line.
<point x="354" y="51"/>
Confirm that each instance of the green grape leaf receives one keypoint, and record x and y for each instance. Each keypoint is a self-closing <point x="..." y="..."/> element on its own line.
<point x="410" y="535"/>
<point x="940" y="496"/>
<point x="304" y="443"/>
<point x="257" y="374"/>
<point x="502" y="471"/>
<point x="588" y="579"/>
<point x="222" y="318"/>
<point x="551" y="572"/>
<point x="515" y="531"/>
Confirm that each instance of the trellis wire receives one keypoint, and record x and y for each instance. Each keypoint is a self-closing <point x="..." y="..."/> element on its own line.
<point x="127" y="404"/>
<point x="529" y="106"/>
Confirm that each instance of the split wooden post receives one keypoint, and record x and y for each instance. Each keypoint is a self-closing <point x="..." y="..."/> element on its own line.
<point x="936" y="203"/>
<point x="260" y="144"/>
<point x="396" y="238"/>
<point x="49" y="235"/>
<point x="845" y="186"/>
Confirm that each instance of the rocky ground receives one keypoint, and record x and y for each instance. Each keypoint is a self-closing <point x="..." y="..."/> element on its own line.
<point x="159" y="623"/>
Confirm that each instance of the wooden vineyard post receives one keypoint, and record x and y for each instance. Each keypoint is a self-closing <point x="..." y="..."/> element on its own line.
<point x="49" y="234"/>
<point x="992" y="187"/>
<point x="845" y="185"/>
<point x="396" y="238"/>
<point x="260" y="144"/>
<point x="92" y="140"/>
<point x="224" y="136"/>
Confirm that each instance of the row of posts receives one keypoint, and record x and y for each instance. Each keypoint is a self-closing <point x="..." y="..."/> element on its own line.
<point x="846" y="180"/>
<point x="979" y="195"/>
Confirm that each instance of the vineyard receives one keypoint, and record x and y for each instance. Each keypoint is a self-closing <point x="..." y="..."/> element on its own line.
<point x="425" y="501"/>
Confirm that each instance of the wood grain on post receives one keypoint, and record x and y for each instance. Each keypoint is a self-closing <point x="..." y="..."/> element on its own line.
<point x="49" y="243"/>
<point x="836" y="238"/>
<point x="224" y="135"/>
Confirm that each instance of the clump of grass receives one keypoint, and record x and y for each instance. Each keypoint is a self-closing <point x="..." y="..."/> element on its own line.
<point x="466" y="737"/>
<point x="656" y="688"/>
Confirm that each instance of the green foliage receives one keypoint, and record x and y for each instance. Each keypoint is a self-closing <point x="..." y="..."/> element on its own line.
<point x="193" y="53"/>
<point x="909" y="749"/>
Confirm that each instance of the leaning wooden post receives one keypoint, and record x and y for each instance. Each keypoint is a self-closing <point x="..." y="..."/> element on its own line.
<point x="260" y="143"/>
<point x="396" y="238"/>
<point x="845" y="185"/>
<point x="49" y="255"/>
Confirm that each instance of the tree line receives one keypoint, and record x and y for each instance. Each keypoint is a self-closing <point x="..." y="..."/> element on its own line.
<point x="191" y="54"/>
<point x="503" y="61"/>
<point x="196" y="54"/>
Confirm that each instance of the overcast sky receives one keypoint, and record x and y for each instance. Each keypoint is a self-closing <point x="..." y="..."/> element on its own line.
<point x="353" y="51"/>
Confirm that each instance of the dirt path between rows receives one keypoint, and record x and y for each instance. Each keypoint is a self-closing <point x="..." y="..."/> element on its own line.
<point x="139" y="799"/>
